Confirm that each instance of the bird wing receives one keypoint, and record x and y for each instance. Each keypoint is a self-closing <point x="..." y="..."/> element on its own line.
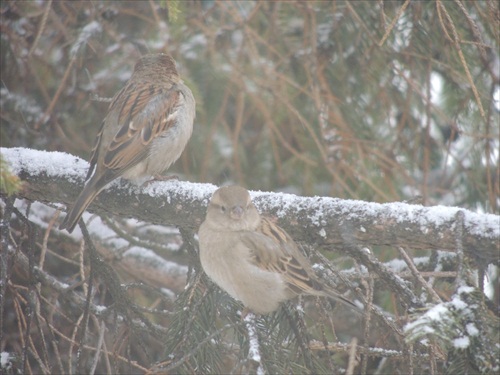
<point x="143" y="111"/>
<point x="273" y="250"/>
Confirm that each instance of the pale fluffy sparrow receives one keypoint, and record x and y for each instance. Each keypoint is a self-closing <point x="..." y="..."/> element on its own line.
<point x="251" y="258"/>
<point x="148" y="125"/>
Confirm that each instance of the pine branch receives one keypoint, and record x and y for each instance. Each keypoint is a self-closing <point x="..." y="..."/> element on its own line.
<point x="329" y="222"/>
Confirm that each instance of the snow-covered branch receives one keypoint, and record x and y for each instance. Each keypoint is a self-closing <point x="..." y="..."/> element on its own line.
<point x="330" y="222"/>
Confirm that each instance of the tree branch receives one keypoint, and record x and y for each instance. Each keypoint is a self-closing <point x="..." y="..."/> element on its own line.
<point x="330" y="222"/>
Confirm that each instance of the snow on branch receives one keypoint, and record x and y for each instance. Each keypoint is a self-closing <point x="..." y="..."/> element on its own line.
<point x="57" y="177"/>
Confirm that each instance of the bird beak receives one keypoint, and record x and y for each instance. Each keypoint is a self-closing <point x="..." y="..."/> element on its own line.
<point x="236" y="212"/>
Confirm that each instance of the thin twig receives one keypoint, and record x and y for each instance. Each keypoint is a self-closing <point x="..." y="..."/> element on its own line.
<point x="102" y="329"/>
<point x="456" y="42"/>
<point x="55" y="98"/>
<point x="408" y="350"/>
<point x="352" y="356"/>
<point x="393" y="22"/>
<point x="403" y="292"/>
<point x="475" y="30"/>
<point x="43" y="23"/>
<point x="369" y="351"/>
<point x="367" y="321"/>
<point x="253" y="339"/>
<point x="461" y="269"/>
<point x="418" y="276"/>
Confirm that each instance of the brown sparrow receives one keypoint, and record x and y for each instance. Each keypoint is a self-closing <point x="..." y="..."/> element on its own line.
<point x="148" y="125"/>
<point x="251" y="258"/>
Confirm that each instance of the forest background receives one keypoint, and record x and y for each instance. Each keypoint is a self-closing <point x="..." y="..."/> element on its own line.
<point x="379" y="101"/>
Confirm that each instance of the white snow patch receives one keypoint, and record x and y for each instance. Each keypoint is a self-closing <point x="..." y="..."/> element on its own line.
<point x="87" y="32"/>
<point x="436" y="313"/>
<point x="471" y="329"/>
<point x="254" y="347"/>
<point x="465" y="289"/>
<point x="191" y="49"/>
<point x="397" y="265"/>
<point x="167" y="292"/>
<point x="190" y="191"/>
<point x="29" y="108"/>
<point x="461" y="342"/>
<point x="147" y="255"/>
<point x="53" y="164"/>
<point x="458" y="303"/>
<point x="100" y="308"/>
<point x="6" y="360"/>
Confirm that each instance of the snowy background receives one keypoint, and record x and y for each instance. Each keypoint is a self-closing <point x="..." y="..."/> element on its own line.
<point x="370" y="132"/>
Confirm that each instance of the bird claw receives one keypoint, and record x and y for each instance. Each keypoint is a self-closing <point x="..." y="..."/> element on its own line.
<point x="160" y="178"/>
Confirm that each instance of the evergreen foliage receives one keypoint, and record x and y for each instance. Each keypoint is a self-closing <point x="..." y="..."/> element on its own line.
<point x="377" y="101"/>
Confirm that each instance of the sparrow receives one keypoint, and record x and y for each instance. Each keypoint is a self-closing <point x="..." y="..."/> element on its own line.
<point x="251" y="258"/>
<point x="147" y="126"/>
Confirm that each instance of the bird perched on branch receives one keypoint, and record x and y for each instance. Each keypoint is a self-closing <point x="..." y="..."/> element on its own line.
<point x="148" y="125"/>
<point x="251" y="258"/>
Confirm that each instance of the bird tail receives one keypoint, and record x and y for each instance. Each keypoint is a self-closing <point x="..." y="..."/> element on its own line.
<point x="338" y="297"/>
<point x="89" y="192"/>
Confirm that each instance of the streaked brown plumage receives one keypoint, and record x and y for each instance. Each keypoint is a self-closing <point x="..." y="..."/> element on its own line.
<point x="253" y="259"/>
<point x="148" y="125"/>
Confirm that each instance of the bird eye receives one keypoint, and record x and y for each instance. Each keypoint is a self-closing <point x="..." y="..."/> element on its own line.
<point x="223" y="209"/>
